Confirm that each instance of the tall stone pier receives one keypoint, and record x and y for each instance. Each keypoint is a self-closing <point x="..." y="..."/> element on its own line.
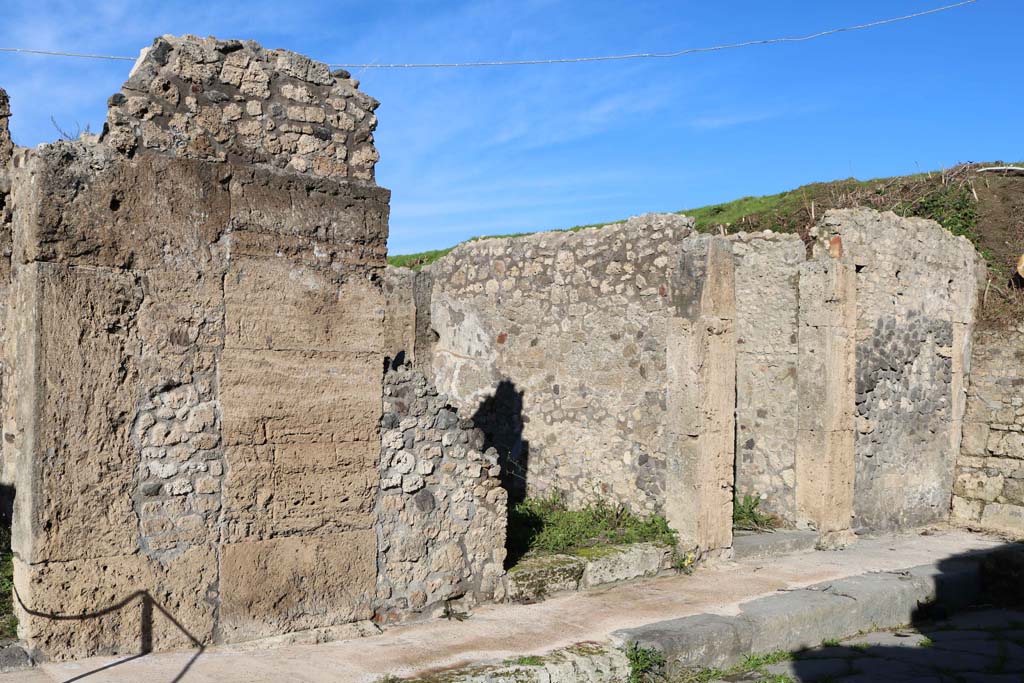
<point x="702" y="396"/>
<point x="195" y="343"/>
<point x="826" y="395"/>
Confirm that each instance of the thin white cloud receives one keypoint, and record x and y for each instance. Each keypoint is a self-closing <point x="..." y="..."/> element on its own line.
<point x="748" y="117"/>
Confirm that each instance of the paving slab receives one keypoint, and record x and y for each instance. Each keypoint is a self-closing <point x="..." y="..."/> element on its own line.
<point x="805" y="618"/>
<point x="498" y="632"/>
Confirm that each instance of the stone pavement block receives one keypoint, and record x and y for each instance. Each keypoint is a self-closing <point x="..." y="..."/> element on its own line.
<point x="811" y="669"/>
<point x="892" y="678"/>
<point x="804" y="618"/>
<point x="886" y="639"/>
<point x="996" y="618"/>
<point x="926" y="658"/>
<point x="941" y="636"/>
<point x="828" y="652"/>
<point x="704" y="640"/>
<point x="798" y="619"/>
<point x="986" y="648"/>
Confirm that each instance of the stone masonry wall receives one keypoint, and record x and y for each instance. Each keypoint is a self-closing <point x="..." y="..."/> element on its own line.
<point x="563" y="349"/>
<point x="767" y="281"/>
<point x="441" y="508"/>
<point x="556" y="346"/>
<point x="989" y="489"/>
<point x="228" y="100"/>
<point x="400" y="314"/>
<point x="195" y="344"/>
<point x="6" y="146"/>
<point x="916" y="291"/>
<point x="6" y="151"/>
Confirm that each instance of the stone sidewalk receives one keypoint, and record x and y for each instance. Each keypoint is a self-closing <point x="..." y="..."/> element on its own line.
<point x="979" y="647"/>
<point x="497" y="632"/>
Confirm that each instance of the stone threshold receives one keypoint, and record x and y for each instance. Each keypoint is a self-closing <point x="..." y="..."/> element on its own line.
<point x="755" y="545"/>
<point x="537" y="578"/>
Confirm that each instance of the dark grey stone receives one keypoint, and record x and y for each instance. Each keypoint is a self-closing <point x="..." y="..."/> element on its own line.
<point x="13" y="657"/>
<point x="702" y="641"/>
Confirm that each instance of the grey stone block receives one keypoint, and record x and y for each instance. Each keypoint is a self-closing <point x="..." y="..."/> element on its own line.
<point x="805" y="618"/>
<point x="536" y="578"/>
<point x="798" y="619"/>
<point x="704" y="640"/>
<point x="623" y="563"/>
<point x="752" y="546"/>
<point x="13" y="657"/>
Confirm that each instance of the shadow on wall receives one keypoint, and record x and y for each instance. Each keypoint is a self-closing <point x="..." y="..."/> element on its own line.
<point x="146" y="605"/>
<point x="8" y="622"/>
<point x="959" y="636"/>
<point x="500" y="417"/>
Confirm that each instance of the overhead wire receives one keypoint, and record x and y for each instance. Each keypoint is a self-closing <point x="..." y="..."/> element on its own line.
<point x="563" y="60"/>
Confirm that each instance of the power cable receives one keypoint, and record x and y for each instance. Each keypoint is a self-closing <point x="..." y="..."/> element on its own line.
<point x="565" y="60"/>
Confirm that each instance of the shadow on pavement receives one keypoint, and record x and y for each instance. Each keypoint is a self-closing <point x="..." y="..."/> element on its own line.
<point x="947" y="642"/>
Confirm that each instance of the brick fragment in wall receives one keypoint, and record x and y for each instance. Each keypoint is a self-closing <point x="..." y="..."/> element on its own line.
<point x="441" y="511"/>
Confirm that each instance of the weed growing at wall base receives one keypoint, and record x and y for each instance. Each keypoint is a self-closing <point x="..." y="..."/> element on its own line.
<point x="8" y="622"/>
<point x="547" y="525"/>
<point x="747" y="517"/>
<point x="644" y="663"/>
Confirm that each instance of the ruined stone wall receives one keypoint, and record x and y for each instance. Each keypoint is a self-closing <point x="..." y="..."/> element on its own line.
<point x="6" y="151"/>
<point x="6" y="146"/>
<point x="989" y="488"/>
<point x="441" y="508"/>
<point x="916" y="291"/>
<point x="196" y="340"/>
<point x="556" y="346"/>
<point x="229" y="100"/>
<point x="767" y="283"/>
<point x="400" y="314"/>
<point x="566" y="352"/>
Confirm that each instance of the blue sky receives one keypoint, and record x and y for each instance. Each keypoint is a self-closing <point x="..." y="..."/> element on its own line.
<point x="482" y="151"/>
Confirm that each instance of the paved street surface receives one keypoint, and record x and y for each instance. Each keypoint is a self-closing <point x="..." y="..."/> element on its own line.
<point x="978" y="647"/>
<point x="498" y="632"/>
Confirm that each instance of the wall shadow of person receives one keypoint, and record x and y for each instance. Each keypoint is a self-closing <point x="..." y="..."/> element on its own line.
<point x="500" y="417"/>
<point x="972" y="630"/>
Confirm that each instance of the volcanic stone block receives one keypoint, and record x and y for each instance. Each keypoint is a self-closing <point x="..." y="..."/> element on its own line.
<point x="826" y="398"/>
<point x="702" y="393"/>
<point x="293" y="583"/>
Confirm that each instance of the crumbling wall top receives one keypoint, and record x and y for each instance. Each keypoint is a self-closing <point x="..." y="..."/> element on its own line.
<point x="594" y="247"/>
<point x="6" y="147"/>
<point x="231" y="100"/>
